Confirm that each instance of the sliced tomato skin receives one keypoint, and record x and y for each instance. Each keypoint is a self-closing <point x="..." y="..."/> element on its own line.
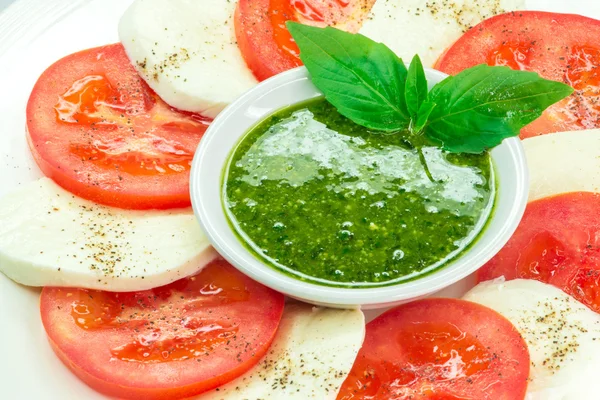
<point x="88" y="354"/>
<point x="265" y="43"/>
<point x="557" y="242"/>
<point x="401" y="349"/>
<point x="51" y="140"/>
<point x="254" y="34"/>
<point x="542" y="42"/>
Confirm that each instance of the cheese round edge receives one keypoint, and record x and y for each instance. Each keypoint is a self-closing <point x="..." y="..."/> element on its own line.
<point x="49" y="237"/>
<point x="187" y="52"/>
<point x="563" y="162"/>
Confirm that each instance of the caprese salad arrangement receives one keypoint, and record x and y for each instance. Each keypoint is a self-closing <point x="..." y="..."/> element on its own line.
<point x="139" y="306"/>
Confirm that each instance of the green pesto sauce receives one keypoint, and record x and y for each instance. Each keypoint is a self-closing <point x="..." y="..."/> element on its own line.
<point x="322" y="198"/>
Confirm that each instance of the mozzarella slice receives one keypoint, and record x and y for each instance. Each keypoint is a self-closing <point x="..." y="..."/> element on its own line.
<point x="310" y="357"/>
<point x="426" y="27"/>
<point x="48" y="237"/>
<point x="562" y="334"/>
<point x="187" y="52"/>
<point x="563" y="162"/>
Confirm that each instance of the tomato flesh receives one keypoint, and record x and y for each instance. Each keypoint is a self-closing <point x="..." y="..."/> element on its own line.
<point x="436" y="347"/>
<point x="174" y="341"/>
<point x="100" y="132"/>
<point x="310" y="12"/>
<point x="557" y="242"/>
<point x="542" y="258"/>
<point x="513" y="55"/>
<point x="439" y="349"/>
<point x="561" y="47"/>
<point x="267" y="46"/>
<point x="294" y="10"/>
<point x="85" y="101"/>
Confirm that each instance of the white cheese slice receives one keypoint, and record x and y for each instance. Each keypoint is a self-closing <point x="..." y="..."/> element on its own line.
<point x="49" y="237"/>
<point x="426" y="27"/>
<point x="310" y="357"/>
<point x="187" y="52"/>
<point x="563" y="162"/>
<point x="563" y="336"/>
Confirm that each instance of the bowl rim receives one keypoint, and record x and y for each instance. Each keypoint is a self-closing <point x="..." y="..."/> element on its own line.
<point x="252" y="266"/>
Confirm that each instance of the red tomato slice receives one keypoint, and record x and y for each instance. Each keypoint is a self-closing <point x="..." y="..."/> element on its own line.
<point x="167" y="343"/>
<point x="267" y="46"/>
<point x="561" y="47"/>
<point x="557" y="242"/>
<point x="443" y="349"/>
<point x="100" y="132"/>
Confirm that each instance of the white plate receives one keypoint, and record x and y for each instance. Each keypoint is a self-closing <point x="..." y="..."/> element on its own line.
<point x="34" y="34"/>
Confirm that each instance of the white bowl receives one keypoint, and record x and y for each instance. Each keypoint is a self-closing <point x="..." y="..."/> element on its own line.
<point x="295" y="86"/>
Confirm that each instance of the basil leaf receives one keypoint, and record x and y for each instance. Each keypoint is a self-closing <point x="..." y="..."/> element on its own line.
<point x="416" y="87"/>
<point x="424" y="112"/>
<point x="363" y="79"/>
<point x="483" y="105"/>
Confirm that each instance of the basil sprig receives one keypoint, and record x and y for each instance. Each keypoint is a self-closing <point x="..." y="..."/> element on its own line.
<point x="416" y="87"/>
<point x="363" y="79"/>
<point x="470" y="112"/>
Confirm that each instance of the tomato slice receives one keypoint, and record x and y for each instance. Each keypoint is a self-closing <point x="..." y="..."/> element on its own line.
<point x="99" y="131"/>
<point x="167" y="343"/>
<point x="267" y="46"/>
<point x="561" y="47"/>
<point x="442" y="349"/>
<point x="557" y="242"/>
